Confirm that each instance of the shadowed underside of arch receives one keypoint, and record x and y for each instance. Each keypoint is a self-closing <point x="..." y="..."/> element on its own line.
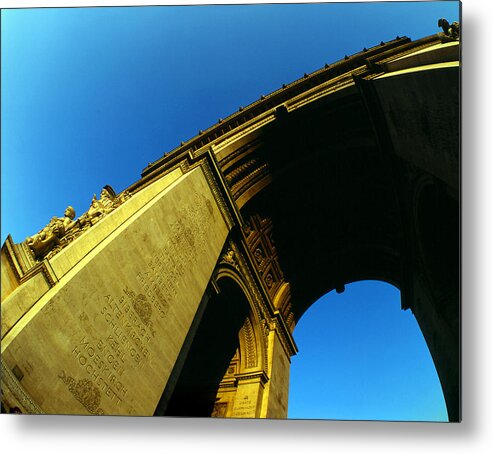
<point x="349" y="173"/>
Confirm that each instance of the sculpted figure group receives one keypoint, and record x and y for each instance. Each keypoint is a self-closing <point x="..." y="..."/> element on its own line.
<point x="61" y="230"/>
<point x="451" y="32"/>
<point x="49" y="236"/>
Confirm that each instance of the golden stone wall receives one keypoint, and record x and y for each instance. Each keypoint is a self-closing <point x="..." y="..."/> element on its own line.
<point x="105" y="338"/>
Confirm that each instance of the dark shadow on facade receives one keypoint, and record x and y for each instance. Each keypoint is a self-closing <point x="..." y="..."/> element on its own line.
<point x="211" y="351"/>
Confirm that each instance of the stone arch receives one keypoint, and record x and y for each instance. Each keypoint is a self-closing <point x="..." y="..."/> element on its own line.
<point x="210" y="362"/>
<point x="252" y="338"/>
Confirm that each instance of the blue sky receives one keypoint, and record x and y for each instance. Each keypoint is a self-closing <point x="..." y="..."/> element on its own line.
<point x="90" y="96"/>
<point x="362" y="357"/>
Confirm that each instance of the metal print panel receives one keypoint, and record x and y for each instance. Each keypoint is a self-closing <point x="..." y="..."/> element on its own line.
<point x="232" y="211"/>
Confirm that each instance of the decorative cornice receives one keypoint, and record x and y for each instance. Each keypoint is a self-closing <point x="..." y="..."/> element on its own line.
<point x="276" y="98"/>
<point x="45" y="269"/>
<point x="262" y="376"/>
<point x="240" y="153"/>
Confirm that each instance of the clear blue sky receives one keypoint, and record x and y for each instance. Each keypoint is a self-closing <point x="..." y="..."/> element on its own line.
<point x="90" y="96"/>
<point x="362" y="357"/>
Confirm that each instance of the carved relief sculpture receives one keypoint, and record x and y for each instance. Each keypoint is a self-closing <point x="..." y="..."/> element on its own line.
<point x="451" y="32"/>
<point x="61" y="231"/>
<point x="49" y="237"/>
<point x="98" y="208"/>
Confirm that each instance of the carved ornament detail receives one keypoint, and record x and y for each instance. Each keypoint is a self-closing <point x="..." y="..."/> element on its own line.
<point x="141" y="306"/>
<point x="85" y="392"/>
<point x="249" y="338"/>
<point x="265" y="328"/>
<point x="230" y="258"/>
<point x="247" y="229"/>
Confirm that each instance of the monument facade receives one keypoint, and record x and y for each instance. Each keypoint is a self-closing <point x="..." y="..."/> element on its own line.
<point x="179" y="295"/>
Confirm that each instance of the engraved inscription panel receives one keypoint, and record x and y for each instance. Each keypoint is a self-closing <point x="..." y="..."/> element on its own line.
<point x="244" y="408"/>
<point x="113" y="327"/>
<point x="247" y="400"/>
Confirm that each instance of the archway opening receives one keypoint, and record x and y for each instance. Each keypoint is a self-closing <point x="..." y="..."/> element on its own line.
<point x="210" y="353"/>
<point x="362" y="358"/>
